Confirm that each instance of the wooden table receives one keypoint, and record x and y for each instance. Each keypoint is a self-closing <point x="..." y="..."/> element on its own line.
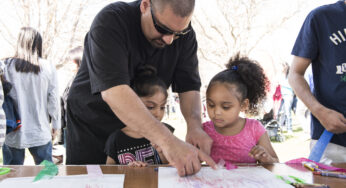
<point x="140" y="176"/>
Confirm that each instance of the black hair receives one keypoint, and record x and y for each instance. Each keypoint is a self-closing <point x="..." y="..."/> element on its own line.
<point x="146" y="83"/>
<point x="181" y="8"/>
<point x="29" y="50"/>
<point x="76" y="55"/>
<point x="248" y="77"/>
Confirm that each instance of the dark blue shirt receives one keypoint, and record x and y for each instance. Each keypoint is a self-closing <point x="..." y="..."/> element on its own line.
<point x="322" y="39"/>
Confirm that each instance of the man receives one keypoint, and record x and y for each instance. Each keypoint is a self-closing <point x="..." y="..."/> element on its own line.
<point x="123" y="36"/>
<point x="322" y="42"/>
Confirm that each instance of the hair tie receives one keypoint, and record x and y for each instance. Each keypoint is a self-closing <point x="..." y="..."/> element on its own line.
<point x="234" y="67"/>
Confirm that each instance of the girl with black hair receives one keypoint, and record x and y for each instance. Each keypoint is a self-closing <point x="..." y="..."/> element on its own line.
<point x="240" y="88"/>
<point x="126" y="146"/>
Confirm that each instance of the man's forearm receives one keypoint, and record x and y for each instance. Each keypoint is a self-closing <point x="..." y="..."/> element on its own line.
<point x="190" y="105"/>
<point x="132" y="112"/>
<point x="302" y="90"/>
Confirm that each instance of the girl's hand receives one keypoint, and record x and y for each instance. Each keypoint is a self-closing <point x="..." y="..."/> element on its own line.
<point x="137" y="164"/>
<point x="260" y="154"/>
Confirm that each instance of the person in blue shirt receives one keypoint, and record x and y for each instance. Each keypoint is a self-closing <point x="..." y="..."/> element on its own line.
<point x="322" y="43"/>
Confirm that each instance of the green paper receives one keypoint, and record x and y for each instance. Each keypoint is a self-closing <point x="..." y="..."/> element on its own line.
<point x="48" y="172"/>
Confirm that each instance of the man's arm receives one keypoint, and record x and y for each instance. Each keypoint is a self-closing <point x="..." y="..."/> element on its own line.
<point x="190" y="105"/>
<point x="132" y="112"/>
<point x="331" y="120"/>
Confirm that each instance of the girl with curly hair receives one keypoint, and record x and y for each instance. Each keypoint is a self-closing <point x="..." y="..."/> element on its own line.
<point x="240" y="88"/>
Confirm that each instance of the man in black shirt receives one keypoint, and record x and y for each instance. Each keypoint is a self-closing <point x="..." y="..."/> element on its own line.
<point x="123" y="36"/>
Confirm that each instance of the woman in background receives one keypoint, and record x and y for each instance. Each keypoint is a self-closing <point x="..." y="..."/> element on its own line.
<point x="35" y="93"/>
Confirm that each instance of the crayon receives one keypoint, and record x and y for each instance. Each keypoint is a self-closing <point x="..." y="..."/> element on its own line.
<point x="307" y="185"/>
<point x="311" y="166"/>
<point x="331" y="174"/>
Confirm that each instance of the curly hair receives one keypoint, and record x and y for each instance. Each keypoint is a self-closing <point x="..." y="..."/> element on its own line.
<point x="248" y="77"/>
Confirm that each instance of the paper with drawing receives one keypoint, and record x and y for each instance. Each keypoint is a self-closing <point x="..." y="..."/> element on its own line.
<point x="248" y="177"/>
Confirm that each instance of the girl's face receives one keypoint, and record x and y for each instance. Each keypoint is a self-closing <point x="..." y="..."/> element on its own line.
<point x="156" y="104"/>
<point x="223" y="105"/>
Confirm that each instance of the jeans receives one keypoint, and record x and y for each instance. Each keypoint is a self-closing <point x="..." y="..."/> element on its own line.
<point x="14" y="156"/>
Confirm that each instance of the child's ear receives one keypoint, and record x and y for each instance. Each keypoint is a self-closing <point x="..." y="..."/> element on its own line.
<point x="244" y="105"/>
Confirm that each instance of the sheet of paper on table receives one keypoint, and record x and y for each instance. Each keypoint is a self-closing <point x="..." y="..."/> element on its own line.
<point x="248" y="177"/>
<point x="75" y="181"/>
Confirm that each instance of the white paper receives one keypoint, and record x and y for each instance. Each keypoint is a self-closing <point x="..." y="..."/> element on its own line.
<point x="74" y="181"/>
<point x="248" y="177"/>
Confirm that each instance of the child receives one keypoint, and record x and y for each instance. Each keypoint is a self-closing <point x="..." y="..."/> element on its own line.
<point x="239" y="88"/>
<point x="126" y="146"/>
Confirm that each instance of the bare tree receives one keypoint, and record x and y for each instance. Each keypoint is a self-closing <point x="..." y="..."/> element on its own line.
<point x="62" y="23"/>
<point x="237" y="26"/>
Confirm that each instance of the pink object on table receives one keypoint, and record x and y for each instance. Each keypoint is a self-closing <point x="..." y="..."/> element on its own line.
<point x="230" y="166"/>
<point x="320" y="165"/>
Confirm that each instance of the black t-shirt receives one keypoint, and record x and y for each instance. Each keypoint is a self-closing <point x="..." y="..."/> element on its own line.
<point x="124" y="149"/>
<point x="113" y="48"/>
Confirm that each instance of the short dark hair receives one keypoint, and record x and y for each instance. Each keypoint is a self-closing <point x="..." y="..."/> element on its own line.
<point x="75" y="55"/>
<point x="181" y="8"/>
<point x="146" y="83"/>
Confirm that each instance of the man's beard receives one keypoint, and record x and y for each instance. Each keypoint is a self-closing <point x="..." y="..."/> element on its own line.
<point x="158" y="43"/>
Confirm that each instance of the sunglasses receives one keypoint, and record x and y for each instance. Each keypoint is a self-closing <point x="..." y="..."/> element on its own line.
<point x="164" y="30"/>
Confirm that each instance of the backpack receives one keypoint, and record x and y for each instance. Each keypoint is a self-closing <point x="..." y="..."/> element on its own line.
<point x="13" y="122"/>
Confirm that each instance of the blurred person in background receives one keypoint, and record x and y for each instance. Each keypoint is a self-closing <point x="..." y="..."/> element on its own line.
<point x="35" y="94"/>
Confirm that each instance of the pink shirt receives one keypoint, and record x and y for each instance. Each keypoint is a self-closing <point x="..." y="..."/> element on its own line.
<point x="235" y="149"/>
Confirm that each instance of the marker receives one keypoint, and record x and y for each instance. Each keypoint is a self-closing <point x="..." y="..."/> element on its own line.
<point x="331" y="174"/>
<point x="5" y="170"/>
<point x="310" y="185"/>
<point x="311" y="166"/>
<point x="297" y="182"/>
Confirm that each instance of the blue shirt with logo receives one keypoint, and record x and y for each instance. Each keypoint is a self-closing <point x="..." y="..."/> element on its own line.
<point x="322" y="39"/>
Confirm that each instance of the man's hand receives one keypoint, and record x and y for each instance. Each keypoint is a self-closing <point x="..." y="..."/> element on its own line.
<point x="332" y="120"/>
<point x="200" y="139"/>
<point x="185" y="157"/>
